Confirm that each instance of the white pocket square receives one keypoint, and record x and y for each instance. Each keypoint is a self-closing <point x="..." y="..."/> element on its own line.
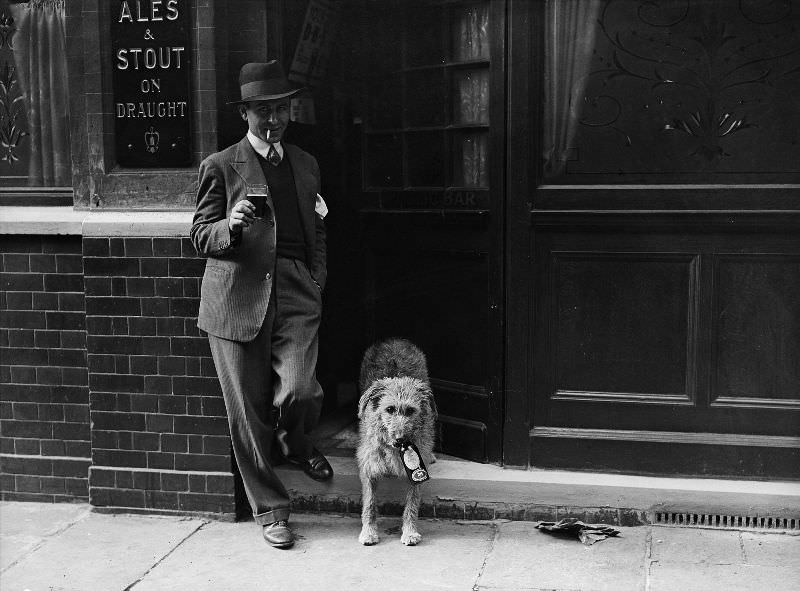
<point x="320" y="207"/>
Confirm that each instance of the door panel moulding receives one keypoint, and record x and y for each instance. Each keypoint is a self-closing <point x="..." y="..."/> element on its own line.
<point x="731" y="439"/>
<point x="634" y="397"/>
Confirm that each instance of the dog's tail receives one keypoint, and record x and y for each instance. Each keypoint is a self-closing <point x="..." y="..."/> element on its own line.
<point x="392" y="358"/>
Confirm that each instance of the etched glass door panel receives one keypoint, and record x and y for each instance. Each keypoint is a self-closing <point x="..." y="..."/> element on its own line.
<point x="687" y="91"/>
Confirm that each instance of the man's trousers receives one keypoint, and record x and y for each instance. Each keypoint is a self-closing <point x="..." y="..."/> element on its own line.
<point x="277" y="370"/>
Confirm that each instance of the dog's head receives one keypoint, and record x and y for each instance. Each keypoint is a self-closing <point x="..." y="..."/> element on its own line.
<point x="402" y="406"/>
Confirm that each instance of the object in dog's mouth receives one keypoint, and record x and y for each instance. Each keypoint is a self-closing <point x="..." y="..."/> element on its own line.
<point x="412" y="461"/>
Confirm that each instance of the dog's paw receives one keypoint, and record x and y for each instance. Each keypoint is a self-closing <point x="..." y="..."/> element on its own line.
<point x="411" y="538"/>
<point x="368" y="536"/>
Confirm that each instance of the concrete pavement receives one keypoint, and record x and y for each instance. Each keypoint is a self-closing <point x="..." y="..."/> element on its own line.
<point x="71" y="548"/>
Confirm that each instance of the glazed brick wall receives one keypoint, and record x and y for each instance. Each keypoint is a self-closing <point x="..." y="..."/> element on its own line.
<point x="44" y="397"/>
<point x="160" y="435"/>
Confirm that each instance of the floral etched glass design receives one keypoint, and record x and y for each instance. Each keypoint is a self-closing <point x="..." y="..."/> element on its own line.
<point x="671" y="91"/>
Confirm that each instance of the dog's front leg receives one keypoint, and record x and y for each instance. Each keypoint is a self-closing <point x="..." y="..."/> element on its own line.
<point x="369" y="511"/>
<point x="410" y="535"/>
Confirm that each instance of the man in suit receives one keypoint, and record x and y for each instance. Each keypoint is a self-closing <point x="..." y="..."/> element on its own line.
<point x="261" y="296"/>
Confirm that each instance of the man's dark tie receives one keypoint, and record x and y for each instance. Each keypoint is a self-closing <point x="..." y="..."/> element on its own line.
<point x="272" y="156"/>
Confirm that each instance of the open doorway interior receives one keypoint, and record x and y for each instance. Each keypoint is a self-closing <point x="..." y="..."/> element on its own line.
<point x="398" y="120"/>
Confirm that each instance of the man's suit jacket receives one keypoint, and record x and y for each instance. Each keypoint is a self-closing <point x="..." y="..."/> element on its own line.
<point x="240" y="270"/>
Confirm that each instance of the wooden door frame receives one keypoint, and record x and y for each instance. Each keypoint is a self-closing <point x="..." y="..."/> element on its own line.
<point x="522" y="124"/>
<point x="496" y="390"/>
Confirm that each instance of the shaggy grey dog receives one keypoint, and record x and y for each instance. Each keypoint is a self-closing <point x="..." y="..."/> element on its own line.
<point x="396" y="406"/>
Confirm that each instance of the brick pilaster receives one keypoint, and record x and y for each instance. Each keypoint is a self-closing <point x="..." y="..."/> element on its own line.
<point x="160" y="436"/>
<point x="44" y="398"/>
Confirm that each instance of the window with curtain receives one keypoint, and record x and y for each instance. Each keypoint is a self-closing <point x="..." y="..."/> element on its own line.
<point x="34" y="96"/>
<point x="700" y="91"/>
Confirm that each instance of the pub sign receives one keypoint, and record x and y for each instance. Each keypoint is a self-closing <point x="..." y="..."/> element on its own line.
<point x="152" y="108"/>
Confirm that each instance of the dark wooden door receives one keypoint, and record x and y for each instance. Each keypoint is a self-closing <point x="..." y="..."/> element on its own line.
<point x="663" y="235"/>
<point x="430" y="200"/>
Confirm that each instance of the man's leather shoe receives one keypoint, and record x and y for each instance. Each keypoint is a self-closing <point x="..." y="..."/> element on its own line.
<point x="278" y="534"/>
<point x="317" y="466"/>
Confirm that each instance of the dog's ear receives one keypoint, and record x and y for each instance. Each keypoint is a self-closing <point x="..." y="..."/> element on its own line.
<point x="428" y="397"/>
<point x="374" y="392"/>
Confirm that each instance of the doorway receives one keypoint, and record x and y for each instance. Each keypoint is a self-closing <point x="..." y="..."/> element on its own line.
<point x="409" y="136"/>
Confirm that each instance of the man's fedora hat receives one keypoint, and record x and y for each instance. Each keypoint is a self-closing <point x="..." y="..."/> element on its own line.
<point x="264" y="82"/>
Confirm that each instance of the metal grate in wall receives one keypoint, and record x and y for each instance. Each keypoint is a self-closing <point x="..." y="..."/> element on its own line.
<point x="727" y="521"/>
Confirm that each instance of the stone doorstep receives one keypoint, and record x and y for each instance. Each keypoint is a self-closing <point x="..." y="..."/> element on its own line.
<point x="464" y="490"/>
<point x="467" y="490"/>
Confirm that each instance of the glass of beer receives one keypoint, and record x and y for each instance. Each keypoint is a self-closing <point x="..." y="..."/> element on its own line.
<point x="257" y="195"/>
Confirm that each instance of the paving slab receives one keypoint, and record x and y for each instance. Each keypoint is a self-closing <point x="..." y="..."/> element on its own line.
<point x="98" y="553"/>
<point x="69" y="548"/>
<point x="26" y="525"/>
<point x="326" y="556"/>
<point x="524" y="557"/>
<point x="771" y="549"/>
<point x="673" y="545"/>
<point x="722" y="577"/>
<point x="700" y="559"/>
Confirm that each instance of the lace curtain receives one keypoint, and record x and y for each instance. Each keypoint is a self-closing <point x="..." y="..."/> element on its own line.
<point x="472" y="33"/>
<point x="570" y="39"/>
<point x="472" y="93"/>
<point x="41" y="66"/>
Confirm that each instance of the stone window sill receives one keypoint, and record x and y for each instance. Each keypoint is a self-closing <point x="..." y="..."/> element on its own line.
<point x="69" y="221"/>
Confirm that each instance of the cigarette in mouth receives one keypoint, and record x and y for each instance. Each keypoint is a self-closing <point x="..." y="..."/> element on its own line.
<point x="268" y="133"/>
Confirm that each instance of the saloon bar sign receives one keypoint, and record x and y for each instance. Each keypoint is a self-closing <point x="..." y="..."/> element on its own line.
<point x="150" y="40"/>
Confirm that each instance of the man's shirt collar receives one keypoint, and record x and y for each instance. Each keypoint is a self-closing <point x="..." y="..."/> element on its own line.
<point x="262" y="147"/>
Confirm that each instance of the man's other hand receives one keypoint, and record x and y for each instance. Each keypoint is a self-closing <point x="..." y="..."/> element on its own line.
<point x="242" y="215"/>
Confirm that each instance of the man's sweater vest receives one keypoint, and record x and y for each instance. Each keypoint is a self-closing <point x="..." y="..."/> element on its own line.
<point x="291" y="241"/>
